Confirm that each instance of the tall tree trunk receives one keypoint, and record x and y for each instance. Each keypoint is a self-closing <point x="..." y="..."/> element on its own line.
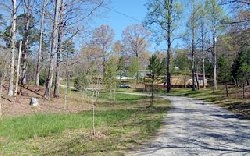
<point x="203" y="73"/>
<point x="138" y="68"/>
<point x="26" y="43"/>
<point x="169" y="23"/>
<point x="203" y="55"/>
<point x="18" y="66"/>
<point x="193" y="49"/>
<point x="13" y="47"/>
<point x="52" y="48"/>
<point x="215" y="59"/>
<point x="185" y="78"/>
<point x="40" y="44"/>
<point x="59" y="50"/>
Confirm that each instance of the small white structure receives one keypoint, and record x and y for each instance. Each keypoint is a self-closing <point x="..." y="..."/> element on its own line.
<point x="124" y="78"/>
<point x="34" y="101"/>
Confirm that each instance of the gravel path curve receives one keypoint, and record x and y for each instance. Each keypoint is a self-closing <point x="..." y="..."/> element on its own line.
<point x="193" y="127"/>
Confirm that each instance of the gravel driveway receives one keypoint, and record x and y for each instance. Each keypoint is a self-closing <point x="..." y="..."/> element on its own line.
<point x="193" y="127"/>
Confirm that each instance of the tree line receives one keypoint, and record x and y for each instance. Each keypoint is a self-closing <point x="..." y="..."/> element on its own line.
<point x="36" y="37"/>
<point x="38" y="43"/>
<point x="216" y="39"/>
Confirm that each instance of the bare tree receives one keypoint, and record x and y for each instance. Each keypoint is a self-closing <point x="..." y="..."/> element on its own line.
<point x="18" y="67"/>
<point x="70" y="12"/>
<point x="13" y="48"/>
<point x="40" y="43"/>
<point x="193" y="27"/>
<point x="215" y="16"/>
<point x="59" y="49"/>
<point x="49" y="79"/>
<point x="28" y="16"/>
<point x="135" y="39"/>
<point x="103" y="37"/>
<point x="202" y="40"/>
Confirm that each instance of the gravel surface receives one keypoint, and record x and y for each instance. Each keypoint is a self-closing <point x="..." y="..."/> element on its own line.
<point x="193" y="127"/>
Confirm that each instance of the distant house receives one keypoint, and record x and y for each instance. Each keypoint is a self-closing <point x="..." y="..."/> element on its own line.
<point x="177" y="81"/>
<point x="181" y="81"/>
<point x="124" y="79"/>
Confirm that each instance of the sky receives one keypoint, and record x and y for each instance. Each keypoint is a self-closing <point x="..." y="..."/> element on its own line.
<point x="121" y="13"/>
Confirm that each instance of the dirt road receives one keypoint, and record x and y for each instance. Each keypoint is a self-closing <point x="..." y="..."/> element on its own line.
<point x="193" y="127"/>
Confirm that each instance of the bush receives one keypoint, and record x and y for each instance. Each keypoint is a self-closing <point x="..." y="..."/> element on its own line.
<point x="80" y="82"/>
<point x="42" y="79"/>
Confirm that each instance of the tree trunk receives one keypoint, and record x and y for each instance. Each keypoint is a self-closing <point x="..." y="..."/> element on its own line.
<point x="197" y="80"/>
<point x="152" y="91"/>
<point x="215" y="60"/>
<point x="203" y="55"/>
<point x="52" y="48"/>
<point x="236" y="84"/>
<point x="243" y="90"/>
<point x="226" y="86"/>
<point x="40" y="44"/>
<point x="203" y="73"/>
<point x="193" y="63"/>
<point x="169" y="23"/>
<point x="13" y="47"/>
<point x="26" y="44"/>
<point x="185" y="79"/>
<point x="59" y="51"/>
<point x="138" y="68"/>
<point x="18" y="67"/>
<point x="197" y="76"/>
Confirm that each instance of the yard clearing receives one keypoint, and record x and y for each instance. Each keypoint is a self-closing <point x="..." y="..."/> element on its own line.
<point x="120" y="126"/>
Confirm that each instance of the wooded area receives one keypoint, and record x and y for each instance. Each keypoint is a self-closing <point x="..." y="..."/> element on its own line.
<point x="38" y="44"/>
<point x="68" y="86"/>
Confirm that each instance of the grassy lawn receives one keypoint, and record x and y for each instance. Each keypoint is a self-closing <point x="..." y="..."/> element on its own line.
<point x="120" y="125"/>
<point x="234" y="102"/>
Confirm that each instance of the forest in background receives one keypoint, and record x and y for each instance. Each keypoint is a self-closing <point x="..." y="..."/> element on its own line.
<point x="38" y="44"/>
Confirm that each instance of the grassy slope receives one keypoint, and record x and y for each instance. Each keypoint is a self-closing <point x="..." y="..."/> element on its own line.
<point x="120" y="125"/>
<point x="234" y="102"/>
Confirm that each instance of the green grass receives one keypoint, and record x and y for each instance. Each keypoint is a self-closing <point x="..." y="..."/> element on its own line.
<point x="120" y="126"/>
<point x="42" y="125"/>
<point x="121" y="97"/>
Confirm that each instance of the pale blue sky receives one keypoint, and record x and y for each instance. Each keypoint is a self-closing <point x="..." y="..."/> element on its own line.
<point x="122" y="13"/>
